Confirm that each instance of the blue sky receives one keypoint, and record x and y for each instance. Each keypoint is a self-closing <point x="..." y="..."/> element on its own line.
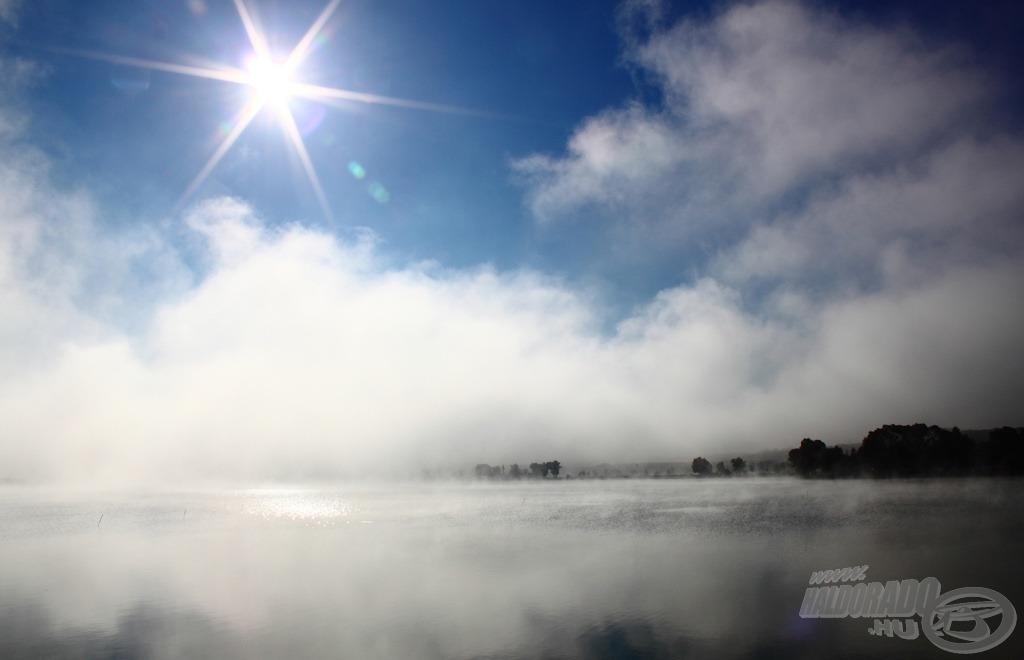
<point x="621" y="231"/>
<point x="522" y="74"/>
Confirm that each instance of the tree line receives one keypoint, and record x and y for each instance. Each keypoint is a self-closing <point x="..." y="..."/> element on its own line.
<point x="534" y="471"/>
<point x="737" y="466"/>
<point x="915" y="450"/>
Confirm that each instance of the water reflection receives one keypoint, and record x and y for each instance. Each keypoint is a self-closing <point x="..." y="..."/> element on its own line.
<point x="608" y="569"/>
<point x="144" y="631"/>
<point x="297" y="504"/>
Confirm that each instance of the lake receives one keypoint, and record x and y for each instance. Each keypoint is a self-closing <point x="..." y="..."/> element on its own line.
<point x="552" y="569"/>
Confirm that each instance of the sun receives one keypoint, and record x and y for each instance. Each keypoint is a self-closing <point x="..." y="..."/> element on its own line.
<point x="271" y="83"/>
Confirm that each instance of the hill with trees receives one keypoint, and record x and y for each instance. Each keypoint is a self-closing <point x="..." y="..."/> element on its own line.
<point x="916" y="450"/>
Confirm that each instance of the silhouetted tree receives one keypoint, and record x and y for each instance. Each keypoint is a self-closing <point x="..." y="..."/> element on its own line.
<point x="814" y="459"/>
<point x="949" y="452"/>
<point x="808" y="458"/>
<point x="721" y="470"/>
<point x="485" y="471"/>
<point x="553" y="467"/>
<point x="1005" y="451"/>
<point x="514" y="472"/>
<point x="739" y="466"/>
<point x="915" y="450"/>
<point x="701" y="466"/>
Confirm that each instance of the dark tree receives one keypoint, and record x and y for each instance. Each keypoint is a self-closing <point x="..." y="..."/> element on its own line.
<point x="721" y="470"/>
<point x="739" y="466"/>
<point x="915" y="450"/>
<point x="1005" y="451"/>
<point x="538" y="470"/>
<point x="485" y="471"/>
<point x="701" y="466"/>
<point x="808" y="458"/>
<point x="814" y="459"/>
<point x="553" y="467"/>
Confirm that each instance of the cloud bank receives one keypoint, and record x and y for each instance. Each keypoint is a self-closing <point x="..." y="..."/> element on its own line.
<point x="851" y="217"/>
<point x="786" y="140"/>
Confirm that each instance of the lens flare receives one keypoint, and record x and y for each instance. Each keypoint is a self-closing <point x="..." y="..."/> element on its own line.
<point x="379" y="192"/>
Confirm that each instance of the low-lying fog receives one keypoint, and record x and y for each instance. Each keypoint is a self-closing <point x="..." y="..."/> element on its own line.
<point x="715" y="568"/>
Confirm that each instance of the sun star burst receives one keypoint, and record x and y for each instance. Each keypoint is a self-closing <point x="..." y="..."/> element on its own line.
<point x="273" y="84"/>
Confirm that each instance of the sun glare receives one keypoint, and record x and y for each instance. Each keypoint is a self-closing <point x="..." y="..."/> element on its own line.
<point x="271" y="82"/>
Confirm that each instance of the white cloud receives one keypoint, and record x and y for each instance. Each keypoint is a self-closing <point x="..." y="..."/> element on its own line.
<point x="806" y="93"/>
<point x="959" y="204"/>
<point x="298" y="355"/>
<point x="9" y="11"/>
<point x="947" y="351"/>
<point x="766" y="106"/>
<point x="612" y="158"/>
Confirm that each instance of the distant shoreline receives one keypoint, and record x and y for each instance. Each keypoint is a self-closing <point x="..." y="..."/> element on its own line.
<point x="890" y="451"/>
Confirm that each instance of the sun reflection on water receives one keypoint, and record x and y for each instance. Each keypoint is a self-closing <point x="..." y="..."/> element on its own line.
<point x="315" y="509"/>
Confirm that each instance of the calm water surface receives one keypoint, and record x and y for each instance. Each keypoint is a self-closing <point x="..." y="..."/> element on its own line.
<point x="616" y="569"/>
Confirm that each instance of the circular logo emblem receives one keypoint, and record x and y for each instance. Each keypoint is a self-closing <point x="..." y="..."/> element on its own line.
<point x="969" y="620"/>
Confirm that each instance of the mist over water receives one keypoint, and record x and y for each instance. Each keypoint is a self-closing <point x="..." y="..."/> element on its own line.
<point x="659" y="568"/>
